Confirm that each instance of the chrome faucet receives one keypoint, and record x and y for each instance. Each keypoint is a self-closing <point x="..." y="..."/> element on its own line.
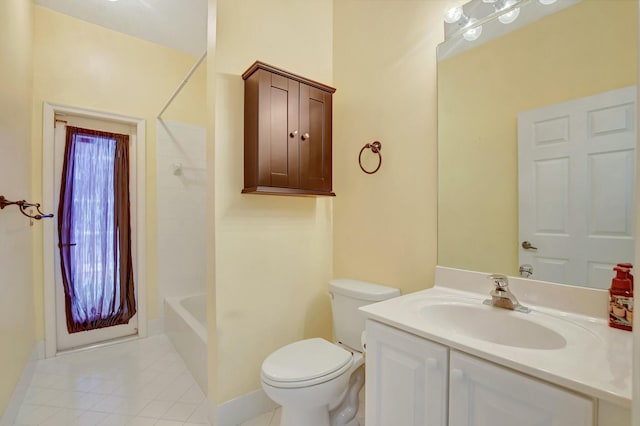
<point x="502" y="297"/>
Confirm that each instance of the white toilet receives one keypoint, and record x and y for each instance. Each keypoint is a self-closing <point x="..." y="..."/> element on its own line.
<point x="315" y="381"/>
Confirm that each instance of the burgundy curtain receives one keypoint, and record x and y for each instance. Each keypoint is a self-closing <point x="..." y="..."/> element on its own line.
<point x="94" y="229"/>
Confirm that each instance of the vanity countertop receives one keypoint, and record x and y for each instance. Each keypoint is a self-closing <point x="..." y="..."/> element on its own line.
<point x="594" y="359"/>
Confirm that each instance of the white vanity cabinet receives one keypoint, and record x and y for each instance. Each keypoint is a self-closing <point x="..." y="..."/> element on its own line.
<point x="484" y="394"/>
<point x="406" y="379"/>
<point x="413" y="381"/>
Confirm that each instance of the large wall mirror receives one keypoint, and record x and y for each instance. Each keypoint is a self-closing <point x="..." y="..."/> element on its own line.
<point x="536" y="144"/>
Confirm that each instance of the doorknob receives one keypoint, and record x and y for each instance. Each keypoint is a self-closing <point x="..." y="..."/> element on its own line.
<point x="528" y="246"/>
<point x="305" y="136"/>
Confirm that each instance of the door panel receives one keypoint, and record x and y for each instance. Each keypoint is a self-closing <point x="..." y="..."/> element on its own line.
<point x="315" y="150"/>
<point x="407" y="379"/>
<point x="278" y="144"/>
<point x="483" y="394"/>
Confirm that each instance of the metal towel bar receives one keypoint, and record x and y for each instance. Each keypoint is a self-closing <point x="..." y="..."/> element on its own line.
<point x="24" y="206"/>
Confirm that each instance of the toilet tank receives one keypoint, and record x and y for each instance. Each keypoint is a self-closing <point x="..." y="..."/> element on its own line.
<point x="347" y="296"/>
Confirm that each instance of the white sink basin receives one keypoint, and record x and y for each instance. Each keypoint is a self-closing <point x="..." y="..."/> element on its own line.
<point x="494" y="325"/>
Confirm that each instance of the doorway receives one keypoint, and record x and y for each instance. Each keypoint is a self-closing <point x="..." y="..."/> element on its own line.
<point x="56" y="119"/>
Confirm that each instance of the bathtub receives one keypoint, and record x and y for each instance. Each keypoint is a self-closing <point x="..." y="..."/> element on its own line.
<point x="185" y="321"/>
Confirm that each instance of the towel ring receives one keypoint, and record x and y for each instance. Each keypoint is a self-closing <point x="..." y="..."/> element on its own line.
<point x="375" y="147"/>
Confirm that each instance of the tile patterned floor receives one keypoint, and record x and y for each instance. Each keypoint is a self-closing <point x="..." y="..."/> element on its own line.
<point x="137" y="383"/>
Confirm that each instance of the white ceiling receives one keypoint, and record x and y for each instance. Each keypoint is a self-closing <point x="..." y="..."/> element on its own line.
<point x="178" y="24"/>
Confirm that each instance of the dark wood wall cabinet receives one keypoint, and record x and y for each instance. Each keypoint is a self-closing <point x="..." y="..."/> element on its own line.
<point x="287" y="133"/>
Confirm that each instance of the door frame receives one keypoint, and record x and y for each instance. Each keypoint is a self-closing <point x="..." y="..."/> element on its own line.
<point x="48" y="246"/>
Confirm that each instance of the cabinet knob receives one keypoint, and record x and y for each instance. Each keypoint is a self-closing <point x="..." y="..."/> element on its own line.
<point x="305" y="136"/>
<point x="293" y="134"/>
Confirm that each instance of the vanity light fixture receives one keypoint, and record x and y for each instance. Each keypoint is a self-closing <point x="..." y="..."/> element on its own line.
<point x="466" y="22"/>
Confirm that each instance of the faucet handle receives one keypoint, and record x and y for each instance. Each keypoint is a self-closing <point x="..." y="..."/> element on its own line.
<point x="501" y="281"/>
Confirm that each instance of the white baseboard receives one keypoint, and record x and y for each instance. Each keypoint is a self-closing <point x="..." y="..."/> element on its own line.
<point x="211" y="411"/>
<point x="241" y="409"/>
<point x="11" y="412"/>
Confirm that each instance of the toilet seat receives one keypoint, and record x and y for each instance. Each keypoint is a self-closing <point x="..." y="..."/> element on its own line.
<point x="305" y="363"/>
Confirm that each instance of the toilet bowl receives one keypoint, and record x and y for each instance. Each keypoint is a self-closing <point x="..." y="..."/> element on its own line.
<point x="309" y="378"/>
<point x="315" y="381"/>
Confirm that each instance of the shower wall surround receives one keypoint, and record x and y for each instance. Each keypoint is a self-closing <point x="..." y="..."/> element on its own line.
<point x="181" y="209"/>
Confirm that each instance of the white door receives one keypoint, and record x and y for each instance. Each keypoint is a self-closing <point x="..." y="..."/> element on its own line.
<point x="406" y="379"/>
<point x="483" y="394"/>
<point x="64" y="339"/>
<point x="576" y="169"/>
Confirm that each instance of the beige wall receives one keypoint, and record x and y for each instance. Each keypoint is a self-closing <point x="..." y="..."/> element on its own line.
<point x="481" y="92"/>
<point x="16" y="304"/>
<point x="385" y="72"/>
<point x="84" y="65"/>
<point x="273" y="253"/>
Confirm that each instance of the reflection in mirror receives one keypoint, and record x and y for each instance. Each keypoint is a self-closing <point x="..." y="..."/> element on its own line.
<point x="536" y="145"/>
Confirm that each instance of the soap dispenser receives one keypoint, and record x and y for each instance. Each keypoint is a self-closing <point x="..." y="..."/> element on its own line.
<point x="628" y="266"/>
<point x="621" y="300"/>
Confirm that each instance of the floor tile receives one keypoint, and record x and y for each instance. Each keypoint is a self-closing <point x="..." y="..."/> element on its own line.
<point x="193" y="396"/>
<point x="119" y="420"/>
<point x="64" y="417"/>
<point x="141" y="421"/>
<point x="180" y="411"/>
<point x="35" y="414"/>
<point x="168" y="423"/>
<point x="155" y="409"/>
<point x="91" y="418"/>
<point x="137" y="383"/>
<point x="200" y="416"/>
<point x="39" y="396"/>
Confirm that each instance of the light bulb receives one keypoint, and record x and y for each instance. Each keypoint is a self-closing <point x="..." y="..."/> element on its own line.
<point x="453" y="15"/>
<point x="472" y="33"/>
<point x="510" y="16"/>
<point x="547" y="2"/>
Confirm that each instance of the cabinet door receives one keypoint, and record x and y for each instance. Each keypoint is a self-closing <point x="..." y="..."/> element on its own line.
<point x="483" y="394"/>
<point x="406" y="379"/>
<point x="278" y="131"/>
<point x="315" y="138"/>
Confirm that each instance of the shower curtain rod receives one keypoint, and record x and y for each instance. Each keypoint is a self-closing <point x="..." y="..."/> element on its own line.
<point x="184" y="82"/>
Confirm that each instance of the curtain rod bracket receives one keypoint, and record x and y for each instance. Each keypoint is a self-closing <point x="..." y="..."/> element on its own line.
<point x="24" y="206"/>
